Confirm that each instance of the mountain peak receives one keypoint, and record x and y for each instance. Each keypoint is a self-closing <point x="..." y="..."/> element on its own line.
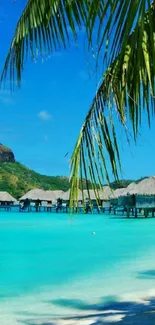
<point x="6" y="154"/>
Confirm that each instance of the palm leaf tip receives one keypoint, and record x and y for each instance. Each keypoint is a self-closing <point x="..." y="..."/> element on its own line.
<point x="44" y="27"/>
<point x="95" y="149"/>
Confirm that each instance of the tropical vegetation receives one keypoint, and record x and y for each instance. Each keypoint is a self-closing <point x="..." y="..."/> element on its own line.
<point x="17" y="179"/>
<point x="122" y="34"/>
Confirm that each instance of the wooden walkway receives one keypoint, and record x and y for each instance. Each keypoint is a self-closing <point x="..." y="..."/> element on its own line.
<point x="129" y="212"/>
<point x="133" y="212"/>
<point x="61" y="209"/>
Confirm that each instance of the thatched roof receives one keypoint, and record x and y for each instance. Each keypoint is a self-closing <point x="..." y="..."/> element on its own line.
<point x="54" y="195"/>
<point x="39" y="194"/>
<point x="107" y="192"/>
<point x="66" y="195"/>
<point x="34" y="194"/>
<point x="117" y="193"/>
<point x="6" y="197"/>
<point x="145" y="187"/>
<point x="123" y="191"/>
<point x="91" y="194"/>
<point x="103" y="195"/>
<point x="129" y="189"/>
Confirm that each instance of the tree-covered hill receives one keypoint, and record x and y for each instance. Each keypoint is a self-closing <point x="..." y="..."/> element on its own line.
<point x="17" y="179"/>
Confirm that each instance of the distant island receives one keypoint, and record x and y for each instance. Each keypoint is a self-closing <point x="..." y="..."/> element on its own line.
<point x="17" y="179"/>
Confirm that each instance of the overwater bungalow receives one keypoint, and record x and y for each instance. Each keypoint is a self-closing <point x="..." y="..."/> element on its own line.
<point x="115" y="196"/>
<point x="66" y="199"/>
<point x="40" y="198"/>
<point x="6" y="199"/>
<point x="126" y="198"/>
<point x="101" y="197"/>
<point x="140" y="197"/>
<point x="144" y="193"/>
<point x="34" y="195"/>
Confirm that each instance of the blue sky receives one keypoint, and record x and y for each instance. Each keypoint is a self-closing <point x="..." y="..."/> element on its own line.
<point x="41" y="121"/>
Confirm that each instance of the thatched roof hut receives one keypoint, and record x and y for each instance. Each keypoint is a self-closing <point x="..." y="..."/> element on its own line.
<point x="41" y="195"/>
<point x="34" y="195"/>
<point x="144" y="193"/>
<point x="145" y="187"/>
<point x="123" y="191"/>
<point x="6" y="197"/>
<point x="139" y="195"/>
<point x="129" y="189"/>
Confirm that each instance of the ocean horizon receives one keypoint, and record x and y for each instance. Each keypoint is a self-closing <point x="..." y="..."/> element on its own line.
<point x="62" y="269"/>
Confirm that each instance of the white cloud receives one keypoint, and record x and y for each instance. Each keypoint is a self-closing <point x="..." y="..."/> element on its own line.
<point x="44" y="115"/>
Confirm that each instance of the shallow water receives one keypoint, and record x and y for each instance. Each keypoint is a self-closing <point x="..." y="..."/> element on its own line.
<point x="52" y="265"/>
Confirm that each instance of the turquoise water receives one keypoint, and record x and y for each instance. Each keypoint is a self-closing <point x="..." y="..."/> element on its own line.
<point x="50" y="262"/>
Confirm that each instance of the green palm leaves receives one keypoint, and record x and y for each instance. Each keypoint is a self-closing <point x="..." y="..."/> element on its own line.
<point x="126" y="91"/>
<point x="125" y="34"/>
<point x="44" y="27"/>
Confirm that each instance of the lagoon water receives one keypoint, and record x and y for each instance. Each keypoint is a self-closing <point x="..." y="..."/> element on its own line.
<point x="53" y="267"/>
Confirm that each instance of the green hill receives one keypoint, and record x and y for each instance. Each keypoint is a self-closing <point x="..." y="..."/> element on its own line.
<point x="17" y="179"/>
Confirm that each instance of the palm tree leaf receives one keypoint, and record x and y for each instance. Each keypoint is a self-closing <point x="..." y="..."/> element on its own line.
<point x="44" y="27"/>
<point x="127" y="90"/>
<point x="117" y="22"/>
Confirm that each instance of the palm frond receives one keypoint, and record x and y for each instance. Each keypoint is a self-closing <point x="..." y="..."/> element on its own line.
<point x="44" y="27"/>
<point x="127" y="90"/>
<point x="47" y="25"/>
<point x="115" y="24"/>
<point x="97" y="146"/>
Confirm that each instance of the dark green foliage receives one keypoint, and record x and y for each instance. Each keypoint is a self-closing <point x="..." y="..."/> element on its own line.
<point x="124" y="183"/>
<point x="120" y="184"/>
<point x="17" y="180"/>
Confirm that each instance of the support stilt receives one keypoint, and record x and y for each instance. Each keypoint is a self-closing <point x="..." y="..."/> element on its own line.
<point x="128" y="212"/>
<point x="145" y="213"/>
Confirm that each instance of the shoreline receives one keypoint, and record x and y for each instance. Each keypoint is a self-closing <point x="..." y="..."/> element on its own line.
<point x="123" y="313"/>
<point x="127" y="312"/>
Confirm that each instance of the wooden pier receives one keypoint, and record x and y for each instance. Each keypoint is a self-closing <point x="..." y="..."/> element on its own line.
<point x="133" y="212"/>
